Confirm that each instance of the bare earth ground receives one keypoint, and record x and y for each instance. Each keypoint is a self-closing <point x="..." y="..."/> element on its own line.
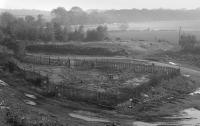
<point x="140" y="49"/>
<point x="14" y="95"/>
<point x="62" y="110"/>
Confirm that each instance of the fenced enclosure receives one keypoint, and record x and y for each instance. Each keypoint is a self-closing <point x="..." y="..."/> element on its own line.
<point x="107" y="99"/>
<point x="135" y="66"/>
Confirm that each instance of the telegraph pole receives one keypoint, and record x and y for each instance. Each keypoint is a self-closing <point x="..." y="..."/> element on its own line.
<point x="179" y="34"/>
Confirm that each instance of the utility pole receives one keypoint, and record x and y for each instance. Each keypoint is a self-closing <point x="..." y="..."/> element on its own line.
<point x="179" y="34"/>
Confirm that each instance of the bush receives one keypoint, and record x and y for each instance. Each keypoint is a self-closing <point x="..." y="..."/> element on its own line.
<point x="13" y="45"/>
<point x="20" y="118"/>
<point x="11" y="67"/>
<point x="118" y="39"/>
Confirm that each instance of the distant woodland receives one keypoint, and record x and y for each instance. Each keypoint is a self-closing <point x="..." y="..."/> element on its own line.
<point x="33" y="28"/>
<point x="76" y="15"/>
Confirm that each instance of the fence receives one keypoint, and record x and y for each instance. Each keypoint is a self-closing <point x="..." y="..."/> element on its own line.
<point x="46" y="60"/>
<point x="104" y="99"/>
<point x="111" y="64"/>
<point x="29" y="70"/>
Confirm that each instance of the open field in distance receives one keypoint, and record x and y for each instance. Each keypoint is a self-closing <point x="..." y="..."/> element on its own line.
<point x="146" y="35"/>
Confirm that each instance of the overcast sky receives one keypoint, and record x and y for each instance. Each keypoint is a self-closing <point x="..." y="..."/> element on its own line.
<point x="99" y="4"/>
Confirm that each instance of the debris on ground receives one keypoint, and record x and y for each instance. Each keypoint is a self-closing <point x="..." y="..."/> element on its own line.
<point x="136" y="81"/>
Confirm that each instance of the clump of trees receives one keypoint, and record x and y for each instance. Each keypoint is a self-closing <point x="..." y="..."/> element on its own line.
<point x="187" y="42"/>
<point x="76" y="16"/>
<point x="77" y="35"/>
<point x="58" y="29"/>
<point x="98" y="34"/>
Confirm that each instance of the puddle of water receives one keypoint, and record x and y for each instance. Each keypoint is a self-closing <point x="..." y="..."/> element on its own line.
<point x="195" y="92"/>
<point x="86" y="118"/>
<point x="29" y="102"/>
<point x="30" y="96"/>
<point x="3" y="83"/>
<point x="172" y="63"/>
<point x="138" y="123"/>
<point x="187" y="117"/>
<point x="191" y="115"/>
<point x="186" y="75"/>
<point x="4" y="107"/>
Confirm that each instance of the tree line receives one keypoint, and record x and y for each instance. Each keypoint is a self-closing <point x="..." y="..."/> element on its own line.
<point x="79" y="16"/>
<point x="38" y="29"/>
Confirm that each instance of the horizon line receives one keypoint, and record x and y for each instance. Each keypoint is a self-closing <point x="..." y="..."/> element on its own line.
<point x="198" y="8"/>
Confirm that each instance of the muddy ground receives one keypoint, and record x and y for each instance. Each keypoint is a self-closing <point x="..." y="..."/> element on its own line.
<point x="83" y="114"/>
<point x="80" y="113"/>
<point x="33" y="109"/>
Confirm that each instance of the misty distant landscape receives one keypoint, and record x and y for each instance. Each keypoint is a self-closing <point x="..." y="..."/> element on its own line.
<point x="149" y="21"/>
<point x="118" y="16"/>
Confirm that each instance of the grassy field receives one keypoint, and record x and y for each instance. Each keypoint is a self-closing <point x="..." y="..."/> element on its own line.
<point x="171" y="36"/>
<point x="133" y="49"/>
<point x="152" y="36"/>
<point x="153" y="30"/>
